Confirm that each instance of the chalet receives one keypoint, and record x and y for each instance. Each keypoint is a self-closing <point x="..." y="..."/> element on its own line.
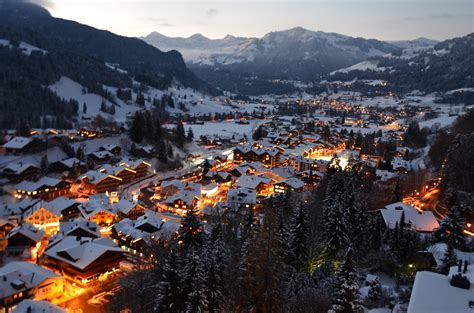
<point x="114" y="149"/>
<point x="301" y="164"/>
<point x="17" y="171"/>
<point x="262" y="185"/>
<point x="78" y="227"/>
<point x="241" y="197"/>
<point x="421" y="221"/>
<point x="135" y="236"/>
<point x="68" y="165"/>
<point x="43" y="217"/>
<point x="144" y="151"/>
<point x="268" y="157"/>
<point x="5" y="227"/>
<point x="99" y="213"/>
<point x="25" y="280"/>
<point x="129" y="209"/>
<point x="453" y="292"/>
<point x="22" y="145"/>
<point x="96" y="182"/>
<point x="87" y="133"/>
<point x="100" y="156"/>
<point x="23" y="239"/>
<point x="44" y="188"/>
<point x="290" y="184"/>
<point x="66" y="208"/>
<point x="124" y="173"/>
<point x="83" y="260"/>
<point x="139" y="166"/>
<point x="182" y="201"/>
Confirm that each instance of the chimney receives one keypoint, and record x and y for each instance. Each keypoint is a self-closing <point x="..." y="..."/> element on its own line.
<point x="460" y="266"/>
<point x="465" y="267"/>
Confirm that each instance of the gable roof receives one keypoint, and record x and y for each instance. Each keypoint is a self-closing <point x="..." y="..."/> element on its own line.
<point x="18" y="143"/>
<point x="81" y="252"/>
<point x="423" y="221"/>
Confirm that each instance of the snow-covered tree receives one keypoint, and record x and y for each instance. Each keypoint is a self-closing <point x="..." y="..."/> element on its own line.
<point x="449" y="259"/>
<point x="299" y="237"/>
<point x="345" y="298"/>
<point x="191" y="232"/>
<point x="194" y="282"/>
<point x="451" y="228"/>
<point x="169" y="296"/>
<point x="375" y="291"/>
<point x="334" y="232"/>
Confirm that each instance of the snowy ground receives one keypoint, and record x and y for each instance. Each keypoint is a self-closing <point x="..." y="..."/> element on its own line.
<point x="225" y="128"/>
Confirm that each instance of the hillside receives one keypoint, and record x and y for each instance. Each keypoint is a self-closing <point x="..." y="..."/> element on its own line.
<point x="36" y="50"/>
<point x="234" y="63"/>
<point x="447" y="65"/>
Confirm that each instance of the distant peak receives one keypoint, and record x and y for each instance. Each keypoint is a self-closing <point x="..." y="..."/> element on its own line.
<point x="229" y="37"/>
<point x="198" y="36"/>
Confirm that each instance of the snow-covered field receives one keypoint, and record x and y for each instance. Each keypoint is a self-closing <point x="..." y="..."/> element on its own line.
<point x="67" y="89"/>
<point x="25" y="47"/>
<point x="225" y="128"/>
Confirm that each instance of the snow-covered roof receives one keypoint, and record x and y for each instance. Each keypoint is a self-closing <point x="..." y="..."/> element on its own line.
<point x="241" y="196"/>
<point x="27" y="185"/>
<point x="18" y="143"/>
<point x="439" y="249"/>
<point x="433" y="293"/>
<point x="23" y="275"/>
<point x="71" y="162"/>
<point x="17" y="167"/>
<point x="81" y="252"/>
<point x="125" y="206"/>
<point x="27" y="230"/>
<point x="33" y="306"/>
<point x="423" y="221"/>
<point x="251" y="181"/>
<point x="294" y="183"/>
<point x="67" y="227"/>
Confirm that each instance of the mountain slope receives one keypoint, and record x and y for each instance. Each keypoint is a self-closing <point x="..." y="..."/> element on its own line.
<point x="296" y="53"/>
<point x="144" y="62"/>
<point x="448" y="65"/>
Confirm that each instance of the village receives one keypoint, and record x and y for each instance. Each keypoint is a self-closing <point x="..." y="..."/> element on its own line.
<point x="78" y="208"/>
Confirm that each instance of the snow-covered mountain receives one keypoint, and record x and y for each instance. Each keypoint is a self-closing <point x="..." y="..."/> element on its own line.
<point x="447" y="65"/>
<point x="296" y="53"/>
<point x="421" y="42"/>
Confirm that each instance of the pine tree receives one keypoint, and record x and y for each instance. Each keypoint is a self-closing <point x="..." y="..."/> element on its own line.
<point x="375" y="291"/>
<point x="161" y="149"/>
<point x="398" y="193"/>
<point x="217" y="258"/>
<point x="334" y="231"/>
<point x="103" y="106"/>
<point x="299" y="237"/>
<point x="449" y="259"/>
<point x="84" y="108"/>
<point x="80" y="155"/>
<point x="136" y="129"/>
<point x="451" y="228"/>
<point x="169" y="296"/>
<point x="194" y="288"/>
<point x="191" y="231"/>
<point x="190" y="135"/>
<point x="345" y="298"/>
<point x="180" y="134"/>
<point x="112" y="109"/>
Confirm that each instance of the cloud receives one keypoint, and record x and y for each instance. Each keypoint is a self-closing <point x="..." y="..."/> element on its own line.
<point x="441" y="16"/>
<point x="160" y="22"/>
<point x="211" y="12"/>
